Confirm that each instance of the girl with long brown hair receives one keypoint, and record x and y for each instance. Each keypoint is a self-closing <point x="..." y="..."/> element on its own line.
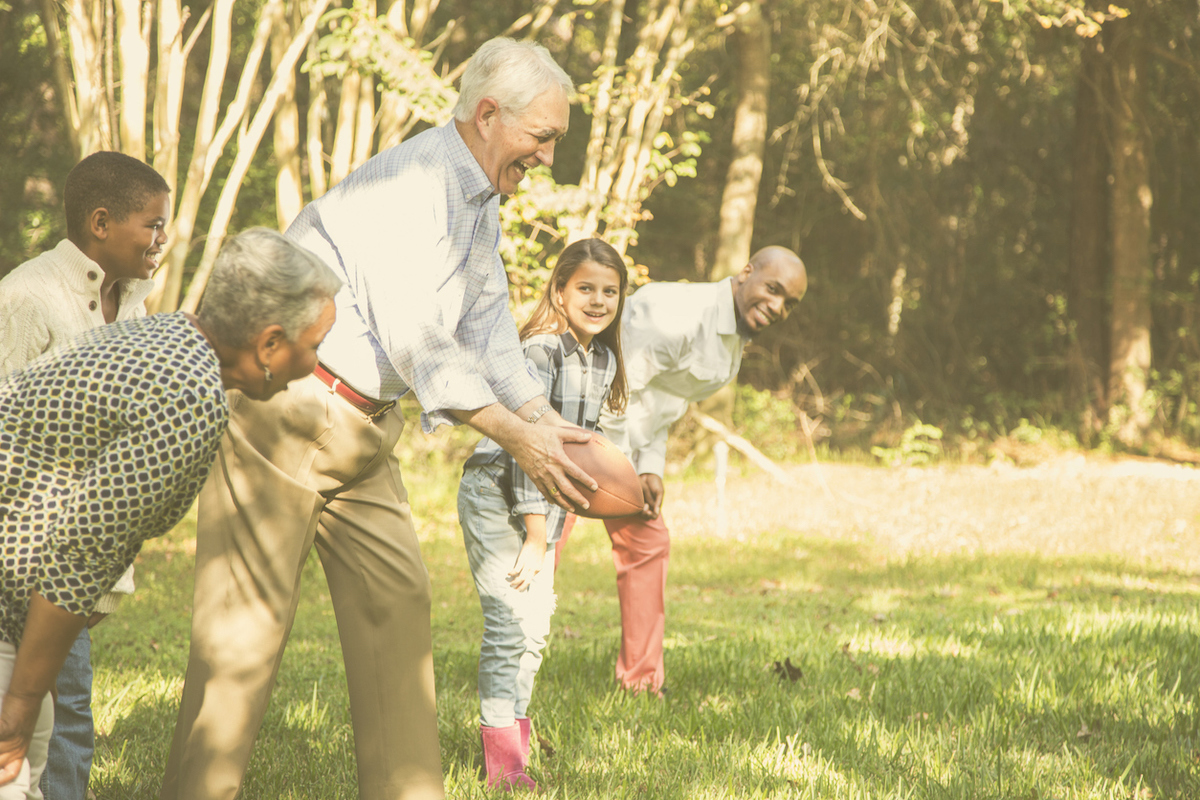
<point x="572" y="341"/>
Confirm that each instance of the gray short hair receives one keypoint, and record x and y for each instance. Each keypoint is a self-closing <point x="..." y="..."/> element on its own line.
<point x="262" y="278"/>
<point x="512" y="73"/>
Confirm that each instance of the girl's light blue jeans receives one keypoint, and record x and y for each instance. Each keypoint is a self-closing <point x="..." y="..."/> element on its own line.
<point x="515" y="624"/>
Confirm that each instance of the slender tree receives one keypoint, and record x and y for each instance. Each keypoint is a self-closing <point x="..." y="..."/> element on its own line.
<point x="1131" y="199"/>
<point x="739" y="200"/>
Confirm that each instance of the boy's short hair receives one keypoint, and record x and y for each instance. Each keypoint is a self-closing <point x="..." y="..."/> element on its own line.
<point x="114" y="181"/>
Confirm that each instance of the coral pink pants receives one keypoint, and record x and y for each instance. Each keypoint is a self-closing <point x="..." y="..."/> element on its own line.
<point x="640" y="550"/>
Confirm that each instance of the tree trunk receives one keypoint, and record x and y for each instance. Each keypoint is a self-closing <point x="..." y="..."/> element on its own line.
<point x="342" y="155"/>
<point x="1129" y="365"/>
<point x="289" y="191"/>
<point x="166" y="298"/>
<point x="168" y="90"/>
<point x="135" y="74"/>
<point x="1087" y="263"/>
<point x="85" y="33"/>
<point x="364" y="126"/>
<point x="752" y="42"/>
<point x="248" y="143"/>
<point x="318" y="110"/>
<point x="62" y="72"/>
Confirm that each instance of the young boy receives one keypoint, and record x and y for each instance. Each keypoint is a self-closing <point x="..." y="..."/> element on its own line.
<point x="117" y="209"/>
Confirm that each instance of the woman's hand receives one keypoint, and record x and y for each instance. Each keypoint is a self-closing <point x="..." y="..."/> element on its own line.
<point x="18" y="719"/>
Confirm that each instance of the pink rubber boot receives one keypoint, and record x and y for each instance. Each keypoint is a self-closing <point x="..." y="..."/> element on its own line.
<point x="523" y="724"/>
<point x="502" y="758"/>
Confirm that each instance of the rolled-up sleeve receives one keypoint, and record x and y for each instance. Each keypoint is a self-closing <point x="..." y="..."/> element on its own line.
<point x="488" y="328"/>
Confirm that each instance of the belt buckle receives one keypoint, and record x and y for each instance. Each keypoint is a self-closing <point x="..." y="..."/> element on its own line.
<point x="379" y="412"/>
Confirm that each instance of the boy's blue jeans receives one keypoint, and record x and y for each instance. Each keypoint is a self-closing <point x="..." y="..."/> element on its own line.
<point x="70" y="760"/>
<point x="515" y="624"/>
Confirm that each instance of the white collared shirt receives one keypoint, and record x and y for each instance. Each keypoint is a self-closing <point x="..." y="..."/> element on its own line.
<point x="414" y="233"/>
<point x="681" y="344"/>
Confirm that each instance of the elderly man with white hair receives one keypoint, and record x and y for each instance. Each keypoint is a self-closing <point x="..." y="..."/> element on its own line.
<point x="414" y="233"/>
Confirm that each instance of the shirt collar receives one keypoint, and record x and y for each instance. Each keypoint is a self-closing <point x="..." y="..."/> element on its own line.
<point x="726" y="313"/>
<point x="568" y="343"/>
<point x="471" y="178"/>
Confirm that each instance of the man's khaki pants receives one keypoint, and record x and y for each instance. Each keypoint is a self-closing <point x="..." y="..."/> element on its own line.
<point x="307" y="468"/>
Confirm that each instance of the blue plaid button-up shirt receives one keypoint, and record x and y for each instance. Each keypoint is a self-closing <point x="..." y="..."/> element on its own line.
<point x="577" y="383"/>
<point x="414" y="233"/>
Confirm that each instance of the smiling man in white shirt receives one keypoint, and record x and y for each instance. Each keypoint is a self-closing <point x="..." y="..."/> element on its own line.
<point x="682" y="342"/>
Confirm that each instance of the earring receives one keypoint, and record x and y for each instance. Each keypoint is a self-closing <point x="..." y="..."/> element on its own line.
<point x="267" y="374"/>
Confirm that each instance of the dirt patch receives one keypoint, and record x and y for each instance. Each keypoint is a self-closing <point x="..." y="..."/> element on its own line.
<point x="1147" y="512"/>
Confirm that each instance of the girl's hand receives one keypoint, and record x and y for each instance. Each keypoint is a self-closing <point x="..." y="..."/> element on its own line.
<point x="528" y="564"/>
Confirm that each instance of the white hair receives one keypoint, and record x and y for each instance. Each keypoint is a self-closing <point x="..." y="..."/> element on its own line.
<point x="512" y="73"/>
<point x="262" y="278"/>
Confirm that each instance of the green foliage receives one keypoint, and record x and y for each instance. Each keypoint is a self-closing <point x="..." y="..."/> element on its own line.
<point x="918" y="445"/>
<point x="359" y="40"/>
<point x="948" y="126"/>
<point x="769" y="422"/>
<point x="36" y="150"/>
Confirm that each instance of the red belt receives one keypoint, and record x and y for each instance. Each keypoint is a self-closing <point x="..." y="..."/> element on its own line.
<point x="372" y="408"/>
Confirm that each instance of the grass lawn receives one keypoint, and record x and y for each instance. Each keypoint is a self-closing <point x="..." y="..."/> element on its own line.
<point x="917" y="675"/>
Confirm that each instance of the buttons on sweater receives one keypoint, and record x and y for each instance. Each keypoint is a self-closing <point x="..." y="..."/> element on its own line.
<point x="92" y="305"/>
<point x="92" y="275"/>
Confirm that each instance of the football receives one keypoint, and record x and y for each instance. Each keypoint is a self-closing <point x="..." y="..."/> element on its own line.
<point x="619" y="491"/>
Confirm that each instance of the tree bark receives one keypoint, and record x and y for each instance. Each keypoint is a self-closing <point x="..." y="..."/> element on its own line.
<point x="1087" y="266"/>
<point x="1129" y="365"/>
<point x="166" y="298"/>
<point x="342" y="154"/>
<point x="62" y="72"/>
<point x="289" y="191"/>
<point x="318" y="110"/>
<point x="752" y="42"/>
<point x="85" y="33"/>
<point x="168" y="90"/>
<point x="135" y="75"/>
<point x="248" y="144"/>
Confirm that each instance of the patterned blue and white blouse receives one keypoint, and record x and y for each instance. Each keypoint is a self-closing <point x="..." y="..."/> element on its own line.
<point x="577" y="384"/>
<point x="103" y="445"/>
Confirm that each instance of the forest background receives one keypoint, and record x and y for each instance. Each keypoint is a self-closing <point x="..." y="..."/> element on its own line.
<point x="996" y="200"/>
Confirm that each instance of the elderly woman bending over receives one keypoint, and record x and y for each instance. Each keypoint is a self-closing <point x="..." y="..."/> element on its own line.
<point x="107" y="442"/>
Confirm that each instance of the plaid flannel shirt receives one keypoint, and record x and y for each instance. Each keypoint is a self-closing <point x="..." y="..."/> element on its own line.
<point x="577" y="383"/>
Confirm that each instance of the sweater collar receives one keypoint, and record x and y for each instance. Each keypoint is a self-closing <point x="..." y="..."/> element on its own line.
<point x="84" y="276"/>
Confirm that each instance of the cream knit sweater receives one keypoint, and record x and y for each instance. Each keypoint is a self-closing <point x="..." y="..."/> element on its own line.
<point x="44" y="304"/>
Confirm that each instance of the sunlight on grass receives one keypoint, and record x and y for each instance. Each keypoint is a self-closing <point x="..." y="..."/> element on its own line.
<point x="915" y="676"/>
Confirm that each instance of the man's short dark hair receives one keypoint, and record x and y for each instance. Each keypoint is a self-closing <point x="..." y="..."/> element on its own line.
<point x="113" y="181"/>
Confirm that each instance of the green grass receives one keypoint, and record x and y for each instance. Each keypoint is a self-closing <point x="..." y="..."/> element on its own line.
<point x="947" y="677"/>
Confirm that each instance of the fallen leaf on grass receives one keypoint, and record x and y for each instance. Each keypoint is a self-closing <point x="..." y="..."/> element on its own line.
<point x="1083" y="733"/>
<point x="547" y="748"/>
<point x="788" y="671"/>
<point x="854" y="694"/>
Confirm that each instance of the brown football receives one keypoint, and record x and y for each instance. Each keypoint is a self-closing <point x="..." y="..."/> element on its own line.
<point x="619" y="491"/>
